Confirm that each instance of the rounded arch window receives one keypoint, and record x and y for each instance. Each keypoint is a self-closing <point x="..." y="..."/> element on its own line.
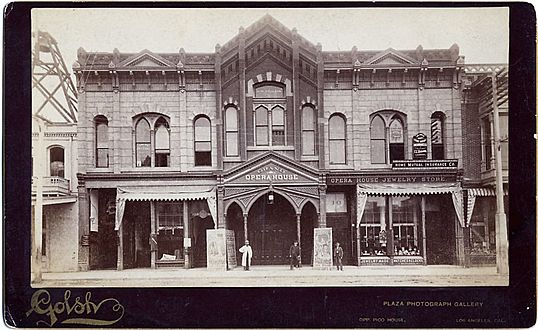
<point x="308" y="130"/>
<point x="162" y="143"/>
<point x="337" y="139"/>
<point x="57" y="161"/>
<point x="202" y="141"/>
<point x="232" y="131"/>
<point x="143" y="143"/>
<point x="437" y="132"/>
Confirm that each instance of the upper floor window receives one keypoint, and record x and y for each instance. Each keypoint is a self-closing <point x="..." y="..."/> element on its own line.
<point x="337" y="139"/>
<point x="269" y="115"/>
<point x="277" y="125"/>
<point x="101" y="141"/>
<point x="437" y="130"/>
<point x="202" y="141"/>
<point x="57" y="162"/>
<point x="143" y="143"/>
<point x="308" y="130"/>
<point x="232" y="131"/>
<point x="162" y="143"/>
<point x="386" y="142"/>
<point x="152" y="141"/>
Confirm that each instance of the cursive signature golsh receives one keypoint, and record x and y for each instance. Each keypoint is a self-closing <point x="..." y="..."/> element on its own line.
<point x="76" y="312"/>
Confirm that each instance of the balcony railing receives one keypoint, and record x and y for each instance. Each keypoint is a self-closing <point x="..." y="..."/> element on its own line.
<point x="53" y="186"/>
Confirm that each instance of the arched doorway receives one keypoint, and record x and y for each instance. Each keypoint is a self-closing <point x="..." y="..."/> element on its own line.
<point x="234" y="219"/>
<point x="272" y="228"/>
<point x="308" y="222"/>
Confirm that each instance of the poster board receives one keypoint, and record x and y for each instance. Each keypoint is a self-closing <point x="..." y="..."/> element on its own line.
<point x="323" y="248"/>
<point x="216" y="249"/>
<point x="230" y="249"/>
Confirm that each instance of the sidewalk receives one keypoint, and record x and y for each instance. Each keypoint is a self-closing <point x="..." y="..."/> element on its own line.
<point x="280" y="276"/>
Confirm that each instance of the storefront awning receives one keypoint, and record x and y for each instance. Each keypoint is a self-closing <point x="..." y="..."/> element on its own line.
<point x="472" y="193"/>
<point x="165" y="193"/>
<point x="407" y="189"/>
<point x="377" y="189"/>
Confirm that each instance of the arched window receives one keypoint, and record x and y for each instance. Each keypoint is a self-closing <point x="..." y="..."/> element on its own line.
<point x="277" y="126"/>
<point x="262" y="126"/>
<point x="232" y="132"/>
<point x="143" y="143"/>
<point x="202" y="141"/>
<point x="307" y="125"/>
<point x="57" y="162"/>
<point x="396" y="140"/>
<point x="387" y="137"/>
<point x="162" y="143"/>
<point x="269" y="114"/>
<point x="437" y="121"/>
<point x="337" y="139"/>
<point x="101" y="141"/>
<point x="377" y="141"/>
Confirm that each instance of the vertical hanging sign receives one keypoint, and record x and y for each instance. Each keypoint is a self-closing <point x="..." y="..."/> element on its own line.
<point x="420" y="146"/>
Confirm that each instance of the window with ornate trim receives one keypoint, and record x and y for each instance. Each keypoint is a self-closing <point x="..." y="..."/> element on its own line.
<point x="387" y="138"/>
<point x="57" y="161"/>
<point x="101" y="141"/>
<point x="308" y="131"/>
<point x="162" y="143"/>
<point x="232" y="131"/>
<point x="437" y="131"/>
<point x="269" y="115"/>
<point x="337" y="139"/>
<point x="202" y="141"/>
<point x="143" y="143"/>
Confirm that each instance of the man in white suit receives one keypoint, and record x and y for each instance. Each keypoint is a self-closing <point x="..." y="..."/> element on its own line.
<point x="246" y="250"/>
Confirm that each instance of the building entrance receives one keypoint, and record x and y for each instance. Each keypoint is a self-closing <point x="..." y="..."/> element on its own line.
<point x="272" y="228"/>
<point x="440" y="231"/>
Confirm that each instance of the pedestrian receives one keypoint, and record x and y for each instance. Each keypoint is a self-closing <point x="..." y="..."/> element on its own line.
<point x="295" y="255"/>
<point x="338" y="255"/>
<point x="246" y="250"/>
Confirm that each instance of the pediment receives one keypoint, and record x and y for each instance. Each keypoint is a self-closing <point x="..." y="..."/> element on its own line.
<point x="390" y="57"/>
<point x="271" y="169"/>
<point x="146" y="59"/>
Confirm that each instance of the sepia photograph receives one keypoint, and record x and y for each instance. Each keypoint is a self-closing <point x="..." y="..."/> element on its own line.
<point x="286" y="148"/>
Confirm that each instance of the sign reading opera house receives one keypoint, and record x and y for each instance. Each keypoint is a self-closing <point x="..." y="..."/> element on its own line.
<point x="268" y="138"/>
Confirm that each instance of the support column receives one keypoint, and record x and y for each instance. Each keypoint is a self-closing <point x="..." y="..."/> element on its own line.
<point x="221" y="217"/>
<point x="186" y="236"/>
<point x="120" y="248"/>
<point x="298" y="216"/>
<point x="153" y="220"/>
<point x="83" y="227"/>
<point x="460" y="253"/>
<point x="390" y="231"/>
<point x="322" y="221"/>
<point x="245" y="226"/>
<point x="423" y="218"/>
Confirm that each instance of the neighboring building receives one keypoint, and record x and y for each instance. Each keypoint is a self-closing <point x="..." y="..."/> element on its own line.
<point x="58" y="166"/>
<point x="479" y="156"/>
<point x="54" y="160"/>
<point x="271" y="137"/>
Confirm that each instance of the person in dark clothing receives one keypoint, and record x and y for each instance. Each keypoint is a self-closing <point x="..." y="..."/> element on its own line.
<point x="295" y="255"/>
<point x="338" y="256"/>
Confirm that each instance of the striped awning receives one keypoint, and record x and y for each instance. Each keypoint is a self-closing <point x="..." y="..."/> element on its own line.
<point x="472" y="193"/>
<point x="165" y="193"/>
<point x="407" y="189"/>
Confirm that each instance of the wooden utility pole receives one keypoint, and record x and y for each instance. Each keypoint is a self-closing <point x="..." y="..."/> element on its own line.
<point x="500" y="217"/>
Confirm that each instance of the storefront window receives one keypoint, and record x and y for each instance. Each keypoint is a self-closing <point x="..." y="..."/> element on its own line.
<point x="405" y="217"/>
<point x="373" y="228"/>
<point x="170" y="231"/>
<point x="482" y="227"/>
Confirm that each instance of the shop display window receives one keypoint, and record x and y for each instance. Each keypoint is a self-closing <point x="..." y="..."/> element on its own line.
<point x="373" y="228"/>
<point x="405" y="218"/>
<point x="482" y="228"/>
<point x="170" y="231"/>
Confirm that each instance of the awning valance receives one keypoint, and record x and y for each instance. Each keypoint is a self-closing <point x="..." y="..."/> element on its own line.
<point x="472" y="193"/>
<point x="408" y="188"/>
<point x="165" y="193"/>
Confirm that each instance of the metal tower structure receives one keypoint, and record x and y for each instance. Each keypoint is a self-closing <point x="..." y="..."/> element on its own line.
<point x="54" y="95"/>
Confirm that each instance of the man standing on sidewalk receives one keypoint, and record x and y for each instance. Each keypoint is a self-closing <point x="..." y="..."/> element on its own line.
<point x="295" y="255"/>
<point x="246" y="250"/>
<point x="339" y="255"/>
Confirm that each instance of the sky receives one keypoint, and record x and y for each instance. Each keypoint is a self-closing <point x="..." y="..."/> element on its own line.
<point x="481" y="33"/>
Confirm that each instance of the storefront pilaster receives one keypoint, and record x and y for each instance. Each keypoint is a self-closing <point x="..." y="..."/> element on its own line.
<point x="460" y="249"/>
<point x="84" y="230"/>
<point x="390" y="230"/>
<point x="423" y="218"/>
<point x="322" y="219"/>
<point x="245" y="225"/>
<point x="153" y="251"/>
<point x="186" y="236"/>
